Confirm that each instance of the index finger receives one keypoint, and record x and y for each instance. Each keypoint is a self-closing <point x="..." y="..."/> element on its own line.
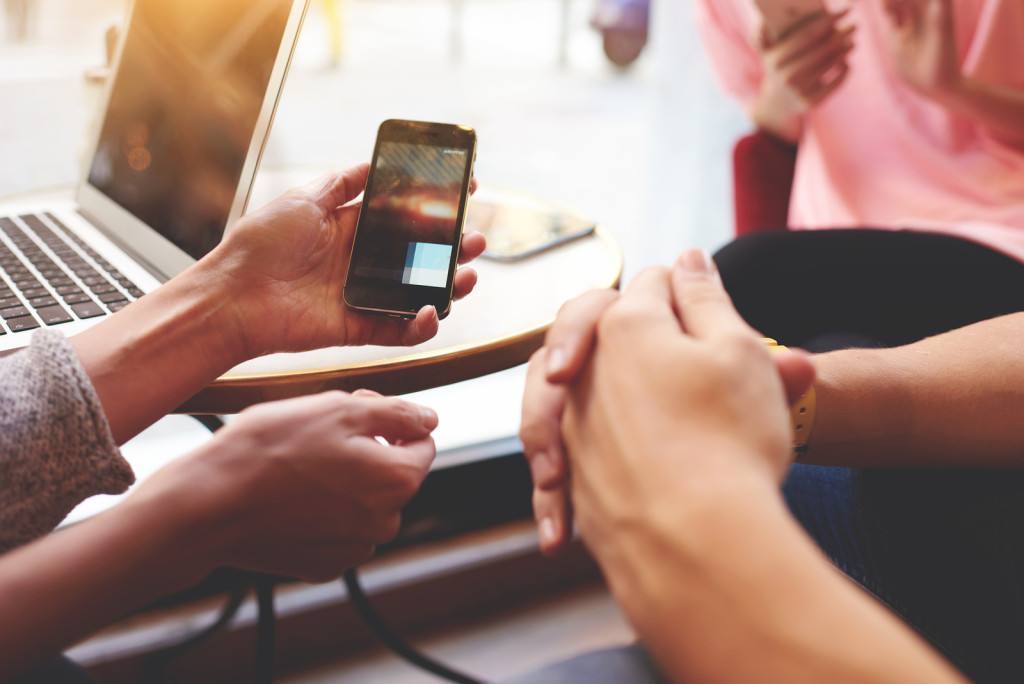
<point x="571" y="337"/>
<point x="702" y="304"/>
<point x="649" y="299"/>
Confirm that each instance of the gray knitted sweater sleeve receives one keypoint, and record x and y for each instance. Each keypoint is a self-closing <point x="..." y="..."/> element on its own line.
<point x="56" y="448"/>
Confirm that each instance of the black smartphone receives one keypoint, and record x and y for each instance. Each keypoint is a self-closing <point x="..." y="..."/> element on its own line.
<point x="407" y="241"/>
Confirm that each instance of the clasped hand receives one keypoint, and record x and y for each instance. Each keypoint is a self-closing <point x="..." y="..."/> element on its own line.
<point x="635" y="398"/>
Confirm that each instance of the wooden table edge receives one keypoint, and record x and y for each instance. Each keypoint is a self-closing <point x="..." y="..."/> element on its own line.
<point x="398" y="375"/>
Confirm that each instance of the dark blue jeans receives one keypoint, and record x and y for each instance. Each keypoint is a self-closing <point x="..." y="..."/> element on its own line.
<point x="944" y="549"/>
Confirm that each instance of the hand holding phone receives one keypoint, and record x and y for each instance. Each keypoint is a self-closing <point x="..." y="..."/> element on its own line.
<point x="407" y="240"/>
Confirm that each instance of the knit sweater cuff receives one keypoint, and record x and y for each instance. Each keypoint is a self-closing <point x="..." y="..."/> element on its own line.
<point x="56" y="447"/>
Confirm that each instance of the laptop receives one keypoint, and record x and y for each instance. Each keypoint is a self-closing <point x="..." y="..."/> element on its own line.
<point x="188" y="109"/>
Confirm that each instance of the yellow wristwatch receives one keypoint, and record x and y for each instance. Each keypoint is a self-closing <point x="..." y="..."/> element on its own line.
<point x="801" y="413"/>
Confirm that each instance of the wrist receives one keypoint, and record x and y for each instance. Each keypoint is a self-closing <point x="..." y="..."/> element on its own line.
<point x="863" y="408"/>
<point x="708" y="527"/>
<point x="785" y="126"/>
<point x="217" y="295"/>
<point x="680" y="533"/>
<point x="180" y="512"/>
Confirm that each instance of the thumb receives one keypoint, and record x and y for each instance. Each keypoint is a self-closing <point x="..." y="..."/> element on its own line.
<point x="338" y="189"/>
<point x="797" y="372"/>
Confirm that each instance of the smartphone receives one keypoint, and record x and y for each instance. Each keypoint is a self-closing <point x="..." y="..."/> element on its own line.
<point x="410" y="226"/>
<point x="517" y="231"/>
<point x="782" y="15"/>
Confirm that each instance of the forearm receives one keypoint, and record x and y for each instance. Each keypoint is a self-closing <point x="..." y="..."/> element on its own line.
<point x="58" y="590"/>
<point x="152" y="356"/>
<point x="952" y="400"/>
<point x="727" y="588"/>
<point x="998" y="109"/>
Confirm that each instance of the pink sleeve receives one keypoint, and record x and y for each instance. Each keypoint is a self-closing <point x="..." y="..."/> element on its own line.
<point x="728" y="28"/>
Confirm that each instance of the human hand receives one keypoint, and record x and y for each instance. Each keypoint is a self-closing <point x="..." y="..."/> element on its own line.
<point x="567" y="351"/>
<point x="287" y="263"/>
<point x="802" y="68"/>
<point x="680" y="392"/>
<point x="922" y="41"/>
<point x="299" y="488"/>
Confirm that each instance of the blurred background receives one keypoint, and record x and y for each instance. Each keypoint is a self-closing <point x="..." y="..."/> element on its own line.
<point x="644" y="150"/>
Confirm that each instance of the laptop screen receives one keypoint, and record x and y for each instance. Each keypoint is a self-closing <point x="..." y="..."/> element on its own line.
<point x="182" y="112"/>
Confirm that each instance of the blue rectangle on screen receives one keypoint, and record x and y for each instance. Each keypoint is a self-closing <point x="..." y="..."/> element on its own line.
<point x="426" y="263"/>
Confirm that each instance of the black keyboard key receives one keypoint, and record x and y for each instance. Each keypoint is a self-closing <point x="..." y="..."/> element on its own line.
<point x="7" y="302"/>
<point x="58" y="281"/>
<point x="87" y="310"/>
<point x="135" y="292"/>
<point x="68" y="289"/>
<point x="54" y="315"/>
<point x="13" y="312"/>
<point x="77" y="298"/>
<point x="44" y="300"/>
<point x="27" y="280"/>
<point x="31" y="292"/>
<point x="108" y="297"/>
<point x="103" y="289"/>
<point x="22" y="324"/>
<point x="2" y="331"/>
<point x="56" y="221"/>
<point x="118" y="305"/>
<point x="94" y="280"/>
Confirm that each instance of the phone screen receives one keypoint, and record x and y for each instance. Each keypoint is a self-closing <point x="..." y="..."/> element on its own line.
<point x="411" y="222"/>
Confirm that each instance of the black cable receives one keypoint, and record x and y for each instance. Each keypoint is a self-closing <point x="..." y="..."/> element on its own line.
<point x="392" y="640"/>
<point x="265" y="632"/>
<point x="156" y="669"/>
<point x="210" y="422"/>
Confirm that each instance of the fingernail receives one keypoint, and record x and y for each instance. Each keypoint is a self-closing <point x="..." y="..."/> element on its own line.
<point x="556" y="361"/>
<point x="547" y="532"/>
<point x="697" y="262"/>
<point x="428" y="417"/>
<point x="543" y="468"/>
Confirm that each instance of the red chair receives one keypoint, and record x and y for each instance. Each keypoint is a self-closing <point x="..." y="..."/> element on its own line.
<point x="763" y="170"/>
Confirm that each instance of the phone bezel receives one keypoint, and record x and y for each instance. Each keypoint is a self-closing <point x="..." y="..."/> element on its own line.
<point x="398" y="299"/>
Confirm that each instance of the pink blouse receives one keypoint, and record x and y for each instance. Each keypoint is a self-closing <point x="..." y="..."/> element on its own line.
<point x="877" y="153"/>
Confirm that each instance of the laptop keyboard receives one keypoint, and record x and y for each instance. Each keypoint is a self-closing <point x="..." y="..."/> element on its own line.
<point x="48" y="279"/>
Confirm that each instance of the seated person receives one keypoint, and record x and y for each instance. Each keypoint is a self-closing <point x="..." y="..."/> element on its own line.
<point x="915" y="120"/>
<point x="670" y="416"/>
<point x="300" y="488"/>
<point x="919" y="125"/>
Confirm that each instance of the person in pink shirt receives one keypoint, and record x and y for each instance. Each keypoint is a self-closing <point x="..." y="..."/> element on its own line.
<point x="908" y="113"/>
